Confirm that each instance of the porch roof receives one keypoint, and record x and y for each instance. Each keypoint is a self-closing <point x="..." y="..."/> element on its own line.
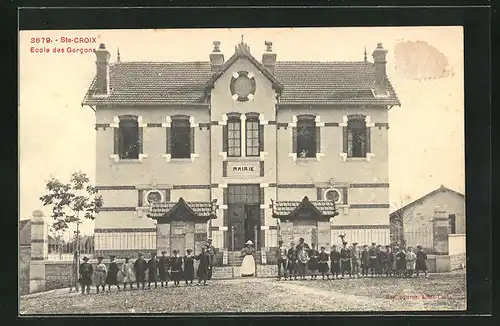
<point x="291" y="209"/>
<point x="198" y="209"/>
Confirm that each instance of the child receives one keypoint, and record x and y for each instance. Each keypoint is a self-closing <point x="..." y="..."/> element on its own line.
<point x="282" y="261"/>
<point x="365" y="261"/>
<point x="379" y="261"/>
<point x="421" y="261"/>
<point x="302" y="259"/>
<point x="373" y="258"/>
<point x="323" y="263"/>
<point x="163" y="267"/>
<point x="86" y="271"/>
<point x="189" y="267"/>
<point x="203" y="266"/>
<point x="112" y="276"/>
<point x="140" y="267"/>
<point x="176" y="267"/>
<point x="292" y="261"/>
<point x="400" y="262"/>
<point x="335" y="262"/>
<point x="410" y="261"/>
<point x="355" y="258"/>
<point x="313" y="261"/>
<point x="389" y="261"/>
<point x="128" y="274"/>
<point x="345" y="260"/>
<point x="100" y="274"/>
<point x="153" y="270"/>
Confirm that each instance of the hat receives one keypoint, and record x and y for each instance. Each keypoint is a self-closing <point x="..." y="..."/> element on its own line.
<point x="249" y="242"/>
<point x="419" y="247"/>
<point x="189" y="250"/>
<point x="281" y="241"/>
<point x="112" y="256"/>
<point x="175" y="251"/>
<point x="378" y="246"/>
<point x="364" y="246"/>
<point x="322" y="247"/>
<point x="301" y="239"/>
<point x="163" y="252"/>
<point x="373" y="243"/>
<point x="387" y="246"/>
<point x="354" y="243"/>
<point x="100" y="258"/>
<point x="344" y="243"/>
<point x="334" y="246"/>
<point x="85" y="258"/>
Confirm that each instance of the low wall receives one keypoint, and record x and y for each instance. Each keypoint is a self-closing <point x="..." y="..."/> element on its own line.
<point x="458" y="261"/>
<point x="438" y="263"/>
<point x="456" y="244"/>
<point x="24" y="269"/>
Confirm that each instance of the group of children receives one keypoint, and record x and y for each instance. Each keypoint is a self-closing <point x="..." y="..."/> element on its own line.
<point x="299" y="260"/>
<point x="163" y="269"/>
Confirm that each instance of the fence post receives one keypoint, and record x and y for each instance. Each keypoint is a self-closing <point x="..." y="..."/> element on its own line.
<point x="232" y="249"/>
<point x="39" y="252"/>
<point x="256" y="230"/>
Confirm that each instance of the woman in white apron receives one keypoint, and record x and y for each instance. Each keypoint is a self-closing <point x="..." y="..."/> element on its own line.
<point x="128" y="274"/>
<point x="248" y="264"/>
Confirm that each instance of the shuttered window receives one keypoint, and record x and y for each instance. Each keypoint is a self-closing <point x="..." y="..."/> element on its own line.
<point x="252" y="132"/>
<point x="306" y="138"/>
<point x="128" y="138"/>
<point x="181" y="138"/>
<point x="233" y="139"/>
<point x="357" y="137"/>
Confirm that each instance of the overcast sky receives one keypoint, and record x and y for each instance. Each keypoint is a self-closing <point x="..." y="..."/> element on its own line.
<point x="426" y="136"/>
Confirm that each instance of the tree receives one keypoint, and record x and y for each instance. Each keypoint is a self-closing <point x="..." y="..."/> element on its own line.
<point x="71" y="202"/>
<point x="398" y="221"/>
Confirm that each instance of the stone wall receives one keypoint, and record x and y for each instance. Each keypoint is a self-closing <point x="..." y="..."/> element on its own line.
<point x="24" y="269"/>
<point x="458" y="261"/>
<point x="58" y="275"/>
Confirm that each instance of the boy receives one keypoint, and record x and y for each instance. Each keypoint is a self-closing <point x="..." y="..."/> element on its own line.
<point x="345" y="260"/>
<point x="176" y="267"/>
<point x="400" y="262"/>
<point x="86" y="271"/>
<point x="410" y="262"/>
<point x="373" y="258"/>
<point x="163" y="267"/>
<point x="421" y="261"/>
<point x="302" y="259"/>
<point x="355" y="257"/>
<point x="365" y="261"/>
<point x="140" y="267"/>
<point x="153" y="270"/>
<point x="112" y="276"/>
<point x="381" y="258"/>
<point x="323" y="263"/>
<point x="313" y="261"/>
<point x="189" y="267"/>
<point x="128" y="273"/>
<point x="292" y="261"/>
<point x="389" y="261"/>
<point x="281" y="261"/>
<point x="335" y="262"/>
<point x="203" y="266"/>
<point x="100" y="274"/>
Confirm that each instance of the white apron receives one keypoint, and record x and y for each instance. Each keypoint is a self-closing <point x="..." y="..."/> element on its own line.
<point x="248" y="266"/>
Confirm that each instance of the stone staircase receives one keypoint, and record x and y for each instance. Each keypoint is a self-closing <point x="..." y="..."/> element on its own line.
<point x="234" y="258"/>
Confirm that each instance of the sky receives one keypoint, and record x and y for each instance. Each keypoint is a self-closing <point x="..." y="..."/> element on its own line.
<point x="426" y="135"/>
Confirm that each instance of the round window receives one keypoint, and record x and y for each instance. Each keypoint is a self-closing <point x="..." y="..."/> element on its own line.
<point x="242" y="86"/>
<point x="333" y="195"/>
<point x="154" y="196"/>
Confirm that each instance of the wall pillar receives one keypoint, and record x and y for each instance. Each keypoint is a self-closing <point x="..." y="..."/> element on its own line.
<point x="39" y="251"/>
<point x="440" y="226"/>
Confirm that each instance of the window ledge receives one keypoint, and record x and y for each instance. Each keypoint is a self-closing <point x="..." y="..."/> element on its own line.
<point x="169" y="158"/>
<point x="367" y="158"/>
<point x="116" y="159"/>
<point x="306" y="159"/>
<point x="243" y="159"/>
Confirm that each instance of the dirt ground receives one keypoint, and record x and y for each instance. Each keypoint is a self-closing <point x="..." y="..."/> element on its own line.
<point x="439" y="292"/>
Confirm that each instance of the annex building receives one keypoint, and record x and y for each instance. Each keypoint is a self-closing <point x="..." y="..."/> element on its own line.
<point x="238" y="149"/>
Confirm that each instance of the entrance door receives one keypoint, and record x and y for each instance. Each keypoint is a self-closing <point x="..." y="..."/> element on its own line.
<point x="244" y="213"/>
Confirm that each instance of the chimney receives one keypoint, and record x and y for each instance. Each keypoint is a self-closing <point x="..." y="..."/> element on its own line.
<point x="216" y="57"/>
<point x="268" y="57"/>
<point x="379" y="58"/>
<point x="102" y="63"/>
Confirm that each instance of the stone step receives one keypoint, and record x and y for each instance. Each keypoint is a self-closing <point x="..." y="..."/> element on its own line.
<point x="234" y="271"/>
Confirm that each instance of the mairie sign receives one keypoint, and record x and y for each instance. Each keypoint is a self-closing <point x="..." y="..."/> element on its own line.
<point x="243" y="169"/>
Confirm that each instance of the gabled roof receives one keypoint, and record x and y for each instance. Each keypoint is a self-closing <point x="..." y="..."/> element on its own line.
<point x="197" y="209"/>
<point x="442" y="188"/>
<point x="290" y="209"/>
<point x="185" y="83"/>
<point x="242" y="51"/>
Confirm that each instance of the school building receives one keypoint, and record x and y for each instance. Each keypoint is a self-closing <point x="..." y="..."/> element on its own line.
<point x="241" y="149"/>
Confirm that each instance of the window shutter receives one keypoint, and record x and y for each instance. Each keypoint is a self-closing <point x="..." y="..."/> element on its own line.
<point x="318" y="140"/>
<point x="139" y="140"/>
<point x="224" y="138"/>
<point x="261" y="138"/>
<point x="139" y="201"/>
<point x="168" y="141"/>
<point x="368" y="140"/>
<point x="345" y="138"/>
<point x="116" y="141"/>
<point x="225" y="196"/>
<point x="319" y="193"/>
<point x="345" y="193"/>
<point x="192" y="140"/>
<point x="294" y="140"/>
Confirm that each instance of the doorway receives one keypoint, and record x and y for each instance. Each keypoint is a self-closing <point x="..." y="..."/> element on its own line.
<point x="244" y="214"/>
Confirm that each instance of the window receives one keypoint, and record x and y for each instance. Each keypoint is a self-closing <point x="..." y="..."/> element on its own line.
<point x="357" y="139"/>
<point x="154" y="196"/>
<point x="333" y="195"/>
<point x="252" y="137"/>
<point x="306" y="138"/>
<point x="181" y="138"/>
<point x="127" y="138"/>
<point x="233" y="138"/>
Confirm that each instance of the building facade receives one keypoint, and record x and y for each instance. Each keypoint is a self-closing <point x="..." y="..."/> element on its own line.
<point x="238" y="140"/>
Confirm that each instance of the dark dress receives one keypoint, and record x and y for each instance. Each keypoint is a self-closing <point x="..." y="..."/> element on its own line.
<point x="163" y="267"/>
<point x="381" y="259"/>
<point x="112" y="276"/>
<point x="86" y="271"/>
<point x="372" y="252"/>
<point x="189" y="268"/>
<point x="313" y="260"/>
<point x="323" y="262"/>
<point x="176" y="268"/>
<point x="400" y="261"/>
<point x="292" y="261"/>
<point x="390" y="261"/>
<point x="420" y="264"/>
<point x="140" y="267"/>
<point x="365" y="259"/>
<point x="203" y="267"/>
<point x="345" y="260"/>
<point x="335" y="261"/>
<point x="153" y="269"/>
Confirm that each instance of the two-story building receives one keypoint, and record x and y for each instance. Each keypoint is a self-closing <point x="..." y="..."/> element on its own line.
<point x="235" y="144"/>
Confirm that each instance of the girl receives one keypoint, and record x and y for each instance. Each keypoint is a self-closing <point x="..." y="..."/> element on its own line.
<point x="335" y="262"/>
<point x="420" y="263"/>
<point x="400" y="262"/>
<point x="163" y="266"/>
<point x="302" y="259"/>
<point x="189" y="267"/>
<point x="248" y="264"/>
<point x="203" y="266"/>
<point x="313" y="261"/>
<point x="100" y="274"/>
<point x="176" y="267"/>
<point x="410" y="262"/>
<point x="112" y="276"/>
<point x="153" y="270"/>
<point x="323" y="263"/>
<point x="291" y="263"/>
<point x="128" y="273"/>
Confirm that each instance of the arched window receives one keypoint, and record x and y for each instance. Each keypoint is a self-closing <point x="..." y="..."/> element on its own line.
<point x="127" y="138"/>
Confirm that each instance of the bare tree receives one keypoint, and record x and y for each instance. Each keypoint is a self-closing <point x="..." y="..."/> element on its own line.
<point x="399" y="221"/>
